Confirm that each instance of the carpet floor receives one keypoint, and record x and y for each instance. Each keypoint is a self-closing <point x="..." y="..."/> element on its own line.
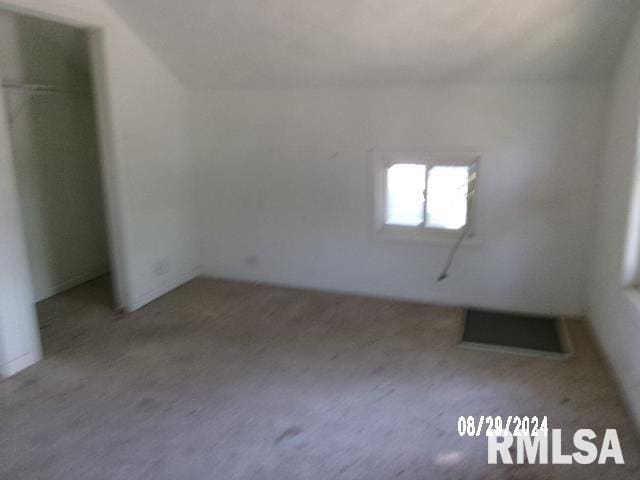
<point x="224" y="380"/>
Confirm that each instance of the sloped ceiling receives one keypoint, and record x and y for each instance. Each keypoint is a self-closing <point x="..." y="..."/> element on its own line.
<point x="280" y="43"/>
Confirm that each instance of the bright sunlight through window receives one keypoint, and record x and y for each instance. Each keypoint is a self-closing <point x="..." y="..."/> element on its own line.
<point x="447" y="192"/>
<point x="405" y="194"/>
<point x="424" y="195"/>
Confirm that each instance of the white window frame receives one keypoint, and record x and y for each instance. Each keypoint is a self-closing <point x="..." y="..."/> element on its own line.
<point x="383" y="159"/>
<point x="631" y="260"/>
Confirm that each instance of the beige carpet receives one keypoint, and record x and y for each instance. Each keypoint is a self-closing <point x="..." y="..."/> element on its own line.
<point x="221" y="380"/>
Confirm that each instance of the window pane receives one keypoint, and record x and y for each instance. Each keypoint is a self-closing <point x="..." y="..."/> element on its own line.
<point x="447" y="189"/>
<point x="405" y="194"/>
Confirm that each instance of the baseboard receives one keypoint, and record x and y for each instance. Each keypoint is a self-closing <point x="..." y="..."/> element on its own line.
<point x="14" y="366"/>
<point x="73" y="281"/>
<point x="391" y="297"/>
<point x="165" y="288"/>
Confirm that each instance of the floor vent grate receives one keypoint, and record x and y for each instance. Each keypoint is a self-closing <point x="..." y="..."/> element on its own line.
<point x="516" y="333"/>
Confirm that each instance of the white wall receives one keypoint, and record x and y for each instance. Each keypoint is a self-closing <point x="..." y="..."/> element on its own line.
<point x="150" y="120"/>
<point x="150" y="170"/>
<point x="19" y="336"/>
<point x="53" y="139"/>
<point x="285" y="189"/>
<point x="615" y="310"/>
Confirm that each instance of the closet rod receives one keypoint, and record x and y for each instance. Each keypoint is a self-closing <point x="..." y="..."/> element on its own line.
<point x="39" y="88"/>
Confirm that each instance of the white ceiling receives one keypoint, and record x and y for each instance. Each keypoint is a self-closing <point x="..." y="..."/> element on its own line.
<point x="274" y="43"/>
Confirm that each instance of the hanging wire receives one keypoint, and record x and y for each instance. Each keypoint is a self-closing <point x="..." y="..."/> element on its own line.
<point x="471" y="189"/>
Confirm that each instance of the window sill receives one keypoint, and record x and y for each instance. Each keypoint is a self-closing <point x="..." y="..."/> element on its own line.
<point x="410" y="235"/>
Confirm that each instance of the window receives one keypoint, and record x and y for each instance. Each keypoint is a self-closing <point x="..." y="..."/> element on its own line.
<point x="405" y="194"/>
<point x="631" y="259"/>
<point x="447" y="197"/>
<point x="422" y="195"/>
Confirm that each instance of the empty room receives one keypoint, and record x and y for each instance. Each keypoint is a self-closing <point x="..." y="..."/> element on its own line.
<point x="320" y="240"/>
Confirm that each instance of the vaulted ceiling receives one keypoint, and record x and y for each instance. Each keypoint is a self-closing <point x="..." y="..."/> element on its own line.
<point x="279" y="43"/>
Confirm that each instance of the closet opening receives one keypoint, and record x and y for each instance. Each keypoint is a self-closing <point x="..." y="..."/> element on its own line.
<point x="50" y="111"/>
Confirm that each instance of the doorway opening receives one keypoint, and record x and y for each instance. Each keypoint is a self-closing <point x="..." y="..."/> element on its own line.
<point x="49" y="102"/>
